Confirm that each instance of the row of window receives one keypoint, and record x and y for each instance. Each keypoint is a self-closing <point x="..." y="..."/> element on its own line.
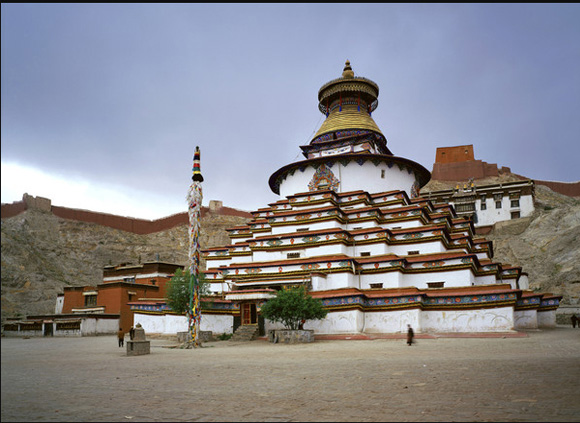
<point x="362" y="254"/>
<point x="513" y="203"/>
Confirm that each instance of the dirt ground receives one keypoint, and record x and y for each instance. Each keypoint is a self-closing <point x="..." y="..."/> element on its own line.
<point x="530" y="378"/>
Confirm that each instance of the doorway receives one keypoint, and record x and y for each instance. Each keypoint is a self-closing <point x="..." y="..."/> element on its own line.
<point x="249" y="314"/>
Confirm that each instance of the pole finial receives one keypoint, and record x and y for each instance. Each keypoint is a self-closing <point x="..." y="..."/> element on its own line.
<point x="196" y="167"/>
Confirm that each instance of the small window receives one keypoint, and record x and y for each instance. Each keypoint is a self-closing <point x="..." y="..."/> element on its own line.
<point x="515" y="203"/>
<point x="293" y="255"/>
<point x="498" y="204"/>
<point x="129" y="279"/>
<point x="435" y="284"/>
<point x="383" y="173"/>
<point x="90" y="300"/>
<point x="302" y="229"/>
<point x="412" y="252"/>
<point x="365" y="254"/>
<point x="153" y="281"/>
<point x="376" y="285"/>
<point x="483" y="204"/>
<point x="515" y="215"/>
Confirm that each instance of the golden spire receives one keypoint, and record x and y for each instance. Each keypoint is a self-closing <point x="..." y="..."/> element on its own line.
<point x="347" y="72"/>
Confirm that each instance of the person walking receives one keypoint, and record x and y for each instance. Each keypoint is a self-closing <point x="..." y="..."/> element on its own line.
<point x="410" y="335"/>
<point x="131" y="333"/>
<point x="121" y="337"/>
<point x="574" y="320"/>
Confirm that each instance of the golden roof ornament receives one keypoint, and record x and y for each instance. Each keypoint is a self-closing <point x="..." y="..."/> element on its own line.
<point x="347" y="71"/>
<point x="347" y="102"/>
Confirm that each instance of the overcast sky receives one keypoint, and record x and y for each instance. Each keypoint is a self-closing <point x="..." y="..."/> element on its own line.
<point x="103" y="104"/>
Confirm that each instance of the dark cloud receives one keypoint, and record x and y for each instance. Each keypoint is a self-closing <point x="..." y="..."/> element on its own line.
<point x="122" y="93"/>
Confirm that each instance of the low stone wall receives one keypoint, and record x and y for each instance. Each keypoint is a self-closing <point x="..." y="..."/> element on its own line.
<point x="288" y="336"/>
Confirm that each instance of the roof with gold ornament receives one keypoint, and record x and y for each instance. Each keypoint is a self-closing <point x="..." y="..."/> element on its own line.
<point x="348" y="102"/>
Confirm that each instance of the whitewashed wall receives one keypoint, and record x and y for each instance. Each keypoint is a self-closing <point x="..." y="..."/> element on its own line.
<point x="491" y="215"/>
<point x="95" y="326"/>
<point x="499" y="319"/>
<point x="170" y="324"/>
<point x="393" y="321"/>
<point x="526" y="319"/>
<point x="547" y="319"/>
<point x="353" y="178"/>
<point x="523" y="282"/>
<point x="338" y="322"/>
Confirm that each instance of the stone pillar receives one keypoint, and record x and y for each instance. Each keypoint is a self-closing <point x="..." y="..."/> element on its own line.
<point x="139" y="345"/>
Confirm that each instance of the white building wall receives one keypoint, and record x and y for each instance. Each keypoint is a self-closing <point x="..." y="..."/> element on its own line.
<point x="313" y="226"/>
<point x="338" y="280"/>
<point x="547" y="319"/>
<point x="404" y="224"/>
<point x="523" y="282"/>
<point x="392" y="321"/>
<point x="388" y="279"/>
<point x="484" y="280"/>
<point x="59" y="304"/>
<point x="499" y="319"/>
<point x="353" y="178"/>
<point x="95" y="326"/>
<point x="526" y="319"/>
<point x="338" y="322"/>
<point x="171" y="324"/>
<point x="491" y="214"/>
<point x="455" y="278"/>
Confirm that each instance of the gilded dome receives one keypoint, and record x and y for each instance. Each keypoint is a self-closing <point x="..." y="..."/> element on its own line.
<point x="348" y="102"/>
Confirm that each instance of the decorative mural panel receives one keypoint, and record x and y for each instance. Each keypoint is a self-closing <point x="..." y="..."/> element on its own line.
<point x="437" y="263"/>
<point x="471" y="299"/>
<point x="415" y="189"/>
<point x="310" y="266"/>
<point x="323" y="179"/>
<point x="303" y="216"/>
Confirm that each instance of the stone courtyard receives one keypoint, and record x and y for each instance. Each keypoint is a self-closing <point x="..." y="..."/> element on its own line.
<point x="532" y="377"/>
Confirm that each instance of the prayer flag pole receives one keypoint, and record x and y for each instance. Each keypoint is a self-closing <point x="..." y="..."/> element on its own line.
<point x="194" y="199"/>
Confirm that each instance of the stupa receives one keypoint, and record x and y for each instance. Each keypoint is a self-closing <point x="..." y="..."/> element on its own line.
<point x="350" y="226"/>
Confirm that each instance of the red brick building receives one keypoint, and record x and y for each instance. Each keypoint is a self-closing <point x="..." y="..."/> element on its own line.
<point x="121" y="284"/>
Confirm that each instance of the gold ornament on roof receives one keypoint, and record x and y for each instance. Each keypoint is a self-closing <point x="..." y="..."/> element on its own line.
<point x="347" y="71"/>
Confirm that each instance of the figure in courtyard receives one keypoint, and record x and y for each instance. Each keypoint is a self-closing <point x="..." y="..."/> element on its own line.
<point x="131" y="333"/>
<point x="574" y="320"/>
<point x="121" y="337"/>
<point x="410" y="335"/>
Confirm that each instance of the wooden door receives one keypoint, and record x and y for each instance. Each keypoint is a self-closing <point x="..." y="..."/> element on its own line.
<point x="249" y="314"/>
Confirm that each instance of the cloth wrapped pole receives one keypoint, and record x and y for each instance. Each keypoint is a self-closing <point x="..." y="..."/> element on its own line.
<point x="194" y="200"/>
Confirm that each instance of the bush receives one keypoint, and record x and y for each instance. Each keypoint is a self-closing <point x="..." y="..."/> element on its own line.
<point x="292" y="306"/>
<point x="177" y="291"/>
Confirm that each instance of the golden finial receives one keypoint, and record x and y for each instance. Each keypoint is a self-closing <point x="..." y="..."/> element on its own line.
<point x="347" y="71"/>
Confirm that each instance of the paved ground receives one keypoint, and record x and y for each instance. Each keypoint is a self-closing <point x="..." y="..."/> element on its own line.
<point x="534" y="377"/>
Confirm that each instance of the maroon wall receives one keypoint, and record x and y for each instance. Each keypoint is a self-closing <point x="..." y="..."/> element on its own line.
<point x="128" y="224"/>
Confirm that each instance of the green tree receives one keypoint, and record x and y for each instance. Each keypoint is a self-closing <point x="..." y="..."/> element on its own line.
<point x="291" y="306"/>
<point x="177" y="290"/>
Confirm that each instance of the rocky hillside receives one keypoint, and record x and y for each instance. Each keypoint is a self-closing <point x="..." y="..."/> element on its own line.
<point x="42" y="253"/>
<point x="546" y="244"/>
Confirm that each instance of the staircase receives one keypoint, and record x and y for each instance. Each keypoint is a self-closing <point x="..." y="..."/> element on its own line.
<point x="245" y="333"/>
